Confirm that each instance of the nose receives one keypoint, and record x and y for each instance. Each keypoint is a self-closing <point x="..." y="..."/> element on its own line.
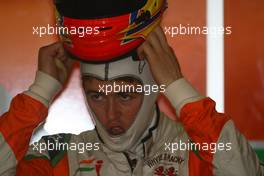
<point x="113" y="111"/>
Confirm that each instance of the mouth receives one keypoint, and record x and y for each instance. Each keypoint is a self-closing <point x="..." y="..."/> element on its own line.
<point x="115" y="130"/>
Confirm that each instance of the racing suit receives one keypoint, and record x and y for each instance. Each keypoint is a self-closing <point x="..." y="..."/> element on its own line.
<point x="164" y="150"/>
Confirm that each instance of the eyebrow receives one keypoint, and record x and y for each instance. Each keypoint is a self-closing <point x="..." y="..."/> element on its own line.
<point x="128" y="92"/>
<point x="93" y="91"/>
<point x="103" y="93"/>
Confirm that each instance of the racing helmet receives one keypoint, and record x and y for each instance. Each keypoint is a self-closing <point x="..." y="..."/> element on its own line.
<point x="106" y="30"/>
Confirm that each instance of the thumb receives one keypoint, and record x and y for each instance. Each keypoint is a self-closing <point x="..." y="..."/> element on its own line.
<point x="63" y="70"/>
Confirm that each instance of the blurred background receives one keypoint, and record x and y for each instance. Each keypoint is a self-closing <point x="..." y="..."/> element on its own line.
<point x="228" y="68"/>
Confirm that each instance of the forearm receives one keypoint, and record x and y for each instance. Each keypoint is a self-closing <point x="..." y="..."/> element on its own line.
<point x="26" y="112"/>
<point x="180" y="93"/>
<point x="16" y="127"/>
<point x="197" y="114"/>
<point x="204" y="125"/>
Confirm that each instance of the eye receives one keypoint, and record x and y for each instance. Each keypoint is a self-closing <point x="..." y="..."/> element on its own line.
<point x="96" y="96"/>
<point x="125" y="96"/>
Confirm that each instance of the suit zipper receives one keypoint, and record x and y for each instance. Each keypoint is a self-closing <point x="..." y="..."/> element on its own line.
<point x="131" y="163"/>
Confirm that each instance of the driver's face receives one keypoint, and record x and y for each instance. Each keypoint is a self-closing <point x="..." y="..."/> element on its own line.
<point x="116" y="110"/>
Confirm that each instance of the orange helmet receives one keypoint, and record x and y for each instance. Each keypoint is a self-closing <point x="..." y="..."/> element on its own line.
<point x="106" y="30"/>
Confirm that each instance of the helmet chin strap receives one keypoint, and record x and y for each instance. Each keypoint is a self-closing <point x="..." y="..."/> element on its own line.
<point x="126" y="67"/>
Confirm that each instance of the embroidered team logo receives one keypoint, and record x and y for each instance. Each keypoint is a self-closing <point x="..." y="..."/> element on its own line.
<point x="165" y="171"/>
<point x="164" y="158"/>
<point x="90" y="165"/>
<point x="165" y="164"/>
